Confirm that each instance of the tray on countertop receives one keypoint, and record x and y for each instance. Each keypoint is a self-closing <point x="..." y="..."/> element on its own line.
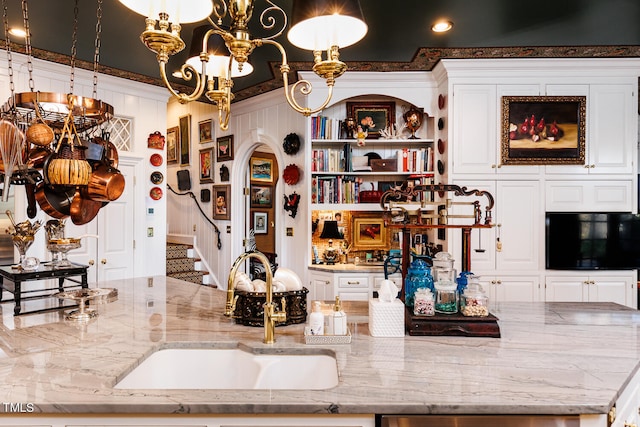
<point x="451" y="324"/>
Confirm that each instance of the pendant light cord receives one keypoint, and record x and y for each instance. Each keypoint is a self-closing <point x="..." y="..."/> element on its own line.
<point x="193" y="196"/>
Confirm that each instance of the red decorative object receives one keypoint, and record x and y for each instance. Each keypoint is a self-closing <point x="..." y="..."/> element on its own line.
<point x="441" y="101"/>
<point x="291" y="174"/>
<point x="156" y="141"/>
<point x="156" y="193"/>
<point x="156" y="159"/>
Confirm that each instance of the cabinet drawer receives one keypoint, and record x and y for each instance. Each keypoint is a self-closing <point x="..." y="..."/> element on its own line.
<point x="353" y="282"/>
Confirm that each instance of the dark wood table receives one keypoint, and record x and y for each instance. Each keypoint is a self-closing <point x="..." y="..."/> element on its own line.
<point x="11" y="279"/>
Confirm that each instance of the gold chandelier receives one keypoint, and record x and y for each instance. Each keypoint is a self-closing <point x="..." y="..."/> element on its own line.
<point x="316" y="25"/>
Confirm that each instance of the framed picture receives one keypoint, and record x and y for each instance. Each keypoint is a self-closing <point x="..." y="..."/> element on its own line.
<point x="261" y="196"/>
<point x="173" y="138"/>
<point x="372" y="116"/>
<point x="185" y="140"/>
<point x="206" y="165"/>
<point x="369" y="232"/>
<point x="543" y="130"/>
<point x="260" y="222"/>
<point x="261" y="169"/>
<point x="224" y="146"/>
<point x="205" y="130"/>
<point x="222" y="201"/>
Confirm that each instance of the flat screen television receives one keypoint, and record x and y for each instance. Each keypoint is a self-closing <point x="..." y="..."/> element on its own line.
<point x="592" y="241"/>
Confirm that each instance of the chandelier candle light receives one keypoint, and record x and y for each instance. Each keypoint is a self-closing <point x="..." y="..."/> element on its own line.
<point x="316" y="25"/>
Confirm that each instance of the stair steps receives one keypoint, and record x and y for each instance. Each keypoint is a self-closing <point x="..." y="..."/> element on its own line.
<point x="182" y="265"/>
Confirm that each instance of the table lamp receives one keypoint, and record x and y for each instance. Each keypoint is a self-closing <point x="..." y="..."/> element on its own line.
<point x="330" y="231"/>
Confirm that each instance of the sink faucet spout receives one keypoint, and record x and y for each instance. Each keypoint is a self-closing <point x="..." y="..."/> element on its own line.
<point x="271" y="316"/>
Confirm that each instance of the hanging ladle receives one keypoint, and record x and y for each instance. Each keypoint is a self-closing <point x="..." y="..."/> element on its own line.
<point x="479" y="249"/>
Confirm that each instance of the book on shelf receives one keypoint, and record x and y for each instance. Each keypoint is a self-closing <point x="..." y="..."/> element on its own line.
<point x="331" y="159"/>
<point x="418" y="160"/>
<point x="323" y="127"/>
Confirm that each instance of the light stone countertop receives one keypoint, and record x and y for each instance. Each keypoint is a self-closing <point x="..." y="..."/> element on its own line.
<point x="553" y="358"/>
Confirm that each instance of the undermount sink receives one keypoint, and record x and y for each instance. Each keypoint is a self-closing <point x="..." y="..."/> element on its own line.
<point x="231" y="368"/>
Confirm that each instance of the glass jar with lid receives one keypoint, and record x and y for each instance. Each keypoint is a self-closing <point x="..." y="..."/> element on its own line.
<point x="474" y="301"/>
<point x="423" y="303"/>
<point x="446" y="297"/>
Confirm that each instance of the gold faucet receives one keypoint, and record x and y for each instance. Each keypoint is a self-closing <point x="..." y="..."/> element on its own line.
<point x="270" y="314"/>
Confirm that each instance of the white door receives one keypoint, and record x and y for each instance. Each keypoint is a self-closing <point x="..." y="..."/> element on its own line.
<point x="110" y="255"/>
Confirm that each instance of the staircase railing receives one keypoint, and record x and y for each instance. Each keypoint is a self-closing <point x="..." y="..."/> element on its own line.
<point x="193" y="196"/>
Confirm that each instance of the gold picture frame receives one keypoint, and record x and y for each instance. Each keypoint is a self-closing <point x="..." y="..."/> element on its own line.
<point x="222" y="201"/>
<point x="372" y="116"/>
<point x="556" y="136"/>
<point x="173" y="143"/>
<point x="261" y="169"/>
<point x="369" y="232"/>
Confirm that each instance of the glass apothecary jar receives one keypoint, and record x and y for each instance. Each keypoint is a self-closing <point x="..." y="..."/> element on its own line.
<point x="446" y="298"/>
<point x="423" y="303"/>
<point x="474" y="302"/>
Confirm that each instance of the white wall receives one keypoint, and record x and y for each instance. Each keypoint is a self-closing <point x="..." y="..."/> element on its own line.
<point x="145" y="105"/>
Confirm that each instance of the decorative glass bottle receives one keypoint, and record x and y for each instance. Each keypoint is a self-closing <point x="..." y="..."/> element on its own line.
<point x="418" y="276"/>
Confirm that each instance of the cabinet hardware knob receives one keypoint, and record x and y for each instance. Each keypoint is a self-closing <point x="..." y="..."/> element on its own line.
<point x="626" y="424"/>
<point x="493" y="166"/>
<point x="91" y="262"/>
<point x="499" y="282"/>
<point x="326" y="282"/>
<point x="353" y="283"/>
<point x="103" y="261"/>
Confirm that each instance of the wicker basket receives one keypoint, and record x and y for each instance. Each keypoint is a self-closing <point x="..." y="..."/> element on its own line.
<point x="69" y="166"/>
<point x="40" y="134"/>
<point x="249" y="310"/>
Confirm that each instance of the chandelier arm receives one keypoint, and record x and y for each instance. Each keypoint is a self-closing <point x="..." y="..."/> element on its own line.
<point x="188" y="71"/>
<point x="268" y="22"/>
<point x="303" y="86"/>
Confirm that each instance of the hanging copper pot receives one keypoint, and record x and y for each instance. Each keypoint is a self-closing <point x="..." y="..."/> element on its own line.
<point x="83" y="209"/>
<point x="55" y="202"/>
<point x="106" y="184"/>
<point x="37" y="156"/>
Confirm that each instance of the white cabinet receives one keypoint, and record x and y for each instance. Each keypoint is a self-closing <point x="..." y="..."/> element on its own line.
<point x="611" y="133"/>
<point x="501" y="288"/>
<point x="626" y="410"/>
<point x="589" y="196"/>
<point x="320" y="286"/>
<point x="519" y="221"/>
<point x="476" y="129"/>
<point x="618" y="287"/>
<point x="353" y="287"/>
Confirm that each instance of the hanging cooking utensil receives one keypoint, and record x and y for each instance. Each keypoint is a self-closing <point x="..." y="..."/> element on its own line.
<point x="12" y="143"/>
<point x="55" y="202"/>
<point x="83" y="209"/>
<point x="479" y="249"/>
<point x="106" y="184"/>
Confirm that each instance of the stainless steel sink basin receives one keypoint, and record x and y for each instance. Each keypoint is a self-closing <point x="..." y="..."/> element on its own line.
<point x="231" y="368"/>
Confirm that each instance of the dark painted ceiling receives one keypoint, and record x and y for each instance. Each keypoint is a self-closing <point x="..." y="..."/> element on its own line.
<point x="399" y="36"/>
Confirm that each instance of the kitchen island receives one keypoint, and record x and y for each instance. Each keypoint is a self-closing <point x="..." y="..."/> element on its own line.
<point x="560" y="359"/>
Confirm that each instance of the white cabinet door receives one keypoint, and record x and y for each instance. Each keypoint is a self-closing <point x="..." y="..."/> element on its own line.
<point x="588" y="196"/>
<point x="473" y="126"/>
<point x="610" y="289"/>
<point x="612" y="123"/>
<point x="511" y="288"/>
<point x="320" y="286"/>
<point x="518" y="218"/>
<point x="566" y="288"/>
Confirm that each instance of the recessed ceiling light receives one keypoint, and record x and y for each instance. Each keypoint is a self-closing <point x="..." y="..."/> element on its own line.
<point x="18" y="32"/>
<point x="442" y="26"/>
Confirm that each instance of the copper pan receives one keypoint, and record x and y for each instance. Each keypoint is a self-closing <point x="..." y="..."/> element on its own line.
<point x="37" y="156"/>
<point x="83" y="209"/>
<point x="54" y="202"/>
<point x="106" y="184"/>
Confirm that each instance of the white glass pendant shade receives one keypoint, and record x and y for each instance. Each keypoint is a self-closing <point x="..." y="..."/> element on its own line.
<point x="179" y="11"/>
<point x="320" y="24"/>
<point x="218" y="64"/>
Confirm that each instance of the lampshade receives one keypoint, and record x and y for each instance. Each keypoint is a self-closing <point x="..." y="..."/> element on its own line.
<point x="320" y="24"/>
<point x="218" y="64"/>
<point x="330" y="230"/>
<point x="179" y="11"/>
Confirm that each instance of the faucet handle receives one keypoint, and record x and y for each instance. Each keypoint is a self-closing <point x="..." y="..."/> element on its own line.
<point x="281" y="316"/>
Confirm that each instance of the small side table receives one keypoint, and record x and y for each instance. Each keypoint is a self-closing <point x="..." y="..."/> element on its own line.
<point x="11" y="280"/>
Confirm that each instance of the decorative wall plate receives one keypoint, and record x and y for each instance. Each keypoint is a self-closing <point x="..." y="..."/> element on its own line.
<point x="156" y="193"/>
<point x="155" y="159"/>
<point x="440" y="123"/>
<point x="157" y="177"/>
<point x="441" y="101"/>
<point x="291" y="144"/>
<point x="291" y="174"/>
<point x="441" y="146"/>
<point x="156" y="140"/>
<point x="440" y="167"/>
